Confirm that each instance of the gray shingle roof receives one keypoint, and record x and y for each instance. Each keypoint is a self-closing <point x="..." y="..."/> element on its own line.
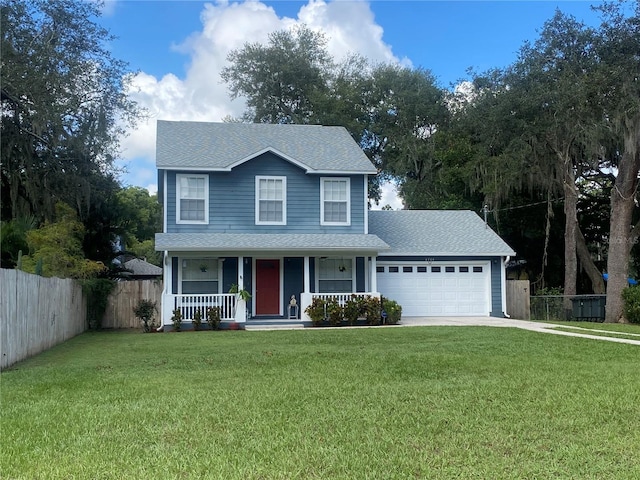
<point x="436" y="232"/>
<point x="212" y="242"/>
<point x="141" y="267"/>
<point x="220" y="146"/>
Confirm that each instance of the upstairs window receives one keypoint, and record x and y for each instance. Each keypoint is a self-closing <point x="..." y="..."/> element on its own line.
<point x="335" y="207"/>
<point x="192" y="198"/>
<point x="271" y="200"/>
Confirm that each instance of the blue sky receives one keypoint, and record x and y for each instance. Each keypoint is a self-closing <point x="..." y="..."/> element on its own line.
<point x="179" y="47"/>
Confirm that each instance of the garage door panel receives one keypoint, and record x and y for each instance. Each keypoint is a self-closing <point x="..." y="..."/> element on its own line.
<point x="445" y="291"/>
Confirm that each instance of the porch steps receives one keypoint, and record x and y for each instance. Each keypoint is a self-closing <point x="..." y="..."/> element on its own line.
<point x="274" y="324"/>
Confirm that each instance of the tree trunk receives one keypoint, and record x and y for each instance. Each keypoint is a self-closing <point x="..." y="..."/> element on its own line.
<point x="570" y="233"/>
<point x="622" y="206"/>
<point x="595" y="275"/>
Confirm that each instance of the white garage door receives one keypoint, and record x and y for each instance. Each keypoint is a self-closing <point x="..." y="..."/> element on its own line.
<point x="437" y="290"/>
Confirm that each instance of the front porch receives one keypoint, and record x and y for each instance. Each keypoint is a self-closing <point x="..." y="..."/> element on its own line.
<point x="234" y="310"/>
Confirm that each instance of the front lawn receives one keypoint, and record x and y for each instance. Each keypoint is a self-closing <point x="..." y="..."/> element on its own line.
<point x="384" y="403"/>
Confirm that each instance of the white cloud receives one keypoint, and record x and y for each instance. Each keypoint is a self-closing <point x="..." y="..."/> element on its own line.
<point x="201" y="96"/>
<point x="389" y="196"/>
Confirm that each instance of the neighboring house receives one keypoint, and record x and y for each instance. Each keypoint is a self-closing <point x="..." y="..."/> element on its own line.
<point x="281" y="212"/>
<point x="138" y="269"/>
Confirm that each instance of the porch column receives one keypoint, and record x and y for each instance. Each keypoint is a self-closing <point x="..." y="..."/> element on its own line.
<point x="241" y="305"/>
<point x="166" y="304"/>
<point x="374" y="274"/>
<point x="307" y="281"/>
<point x="305" y="296"/>
<point x="240" y="272"/>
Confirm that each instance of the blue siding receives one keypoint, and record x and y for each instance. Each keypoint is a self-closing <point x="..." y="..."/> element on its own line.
<point x="229" y="273"/>
<point x="174" y="275"/>
<point x="232" y="200"/>
<point x="312" y="274"/>
<point x="161" y="186"/>
<point x="360" y="274"/>
<point x="496" y="290"/>
<point x="293" y="280"/>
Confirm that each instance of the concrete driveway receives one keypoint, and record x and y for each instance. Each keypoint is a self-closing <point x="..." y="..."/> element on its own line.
<point x="513" y="323"/>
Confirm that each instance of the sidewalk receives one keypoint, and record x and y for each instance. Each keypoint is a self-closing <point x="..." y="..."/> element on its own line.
<point x="512" y="323"/>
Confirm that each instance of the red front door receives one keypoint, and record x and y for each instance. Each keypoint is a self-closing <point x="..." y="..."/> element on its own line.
<point x="267" y="287"/>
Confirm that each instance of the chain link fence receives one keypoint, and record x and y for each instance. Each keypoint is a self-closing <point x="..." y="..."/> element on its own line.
<point x="589" y="308"/>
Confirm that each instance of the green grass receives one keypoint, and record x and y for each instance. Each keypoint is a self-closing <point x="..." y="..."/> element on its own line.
<point x="396" y="403"/>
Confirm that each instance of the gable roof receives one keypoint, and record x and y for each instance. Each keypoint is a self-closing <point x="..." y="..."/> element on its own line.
<point x="222" y="146"/>
<point x="436" y="232"/>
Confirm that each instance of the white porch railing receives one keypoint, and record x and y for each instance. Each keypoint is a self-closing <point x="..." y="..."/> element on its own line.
<point x="342" y="298"/>
<point x="188" y="304"/>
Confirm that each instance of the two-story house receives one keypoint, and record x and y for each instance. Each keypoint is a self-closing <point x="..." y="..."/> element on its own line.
<point x="281" y="212"/>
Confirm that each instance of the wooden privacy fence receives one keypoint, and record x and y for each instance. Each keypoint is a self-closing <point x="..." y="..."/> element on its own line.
<point x="125" y="297"/>
<point x="37" y="313"/>
<point x="518" y="301"/>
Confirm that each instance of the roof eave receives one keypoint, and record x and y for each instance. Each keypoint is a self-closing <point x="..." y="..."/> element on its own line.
<point x="308" y="170"/>
<point x="449" y="254"/>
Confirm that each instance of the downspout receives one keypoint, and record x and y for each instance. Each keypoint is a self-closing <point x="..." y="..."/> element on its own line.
<point x="503" y="280"/>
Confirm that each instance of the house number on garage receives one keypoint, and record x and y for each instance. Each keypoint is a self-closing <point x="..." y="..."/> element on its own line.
<point x="429" y="259"/>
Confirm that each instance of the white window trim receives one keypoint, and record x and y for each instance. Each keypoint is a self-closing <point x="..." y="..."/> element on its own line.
<point x="218" y="279"/>
<point x="348" y="182"/>
<point x="353" y="273"/>
<point x="206" y="200"/>
<point x="284" y="199"/>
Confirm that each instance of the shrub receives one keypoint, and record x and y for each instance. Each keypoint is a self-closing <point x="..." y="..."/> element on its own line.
<point x="197" y="319"/>
<point x="316" y="311"/>
<point x="354" y="308"/>
<point x="631" y="298"/>
<point x="334" y="312"/>
<point x="96" y="291"/>
<point x="373" y="311"/>
<point x="393" y="310"/>
<point x="177" y="320"/>
<point x="213" y="317"/>
<point x="144" y="311"/>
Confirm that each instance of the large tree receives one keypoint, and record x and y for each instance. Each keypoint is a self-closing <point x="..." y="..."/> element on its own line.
<point x="561" y="120"/>
<point x="618" y="89"/>
<point x="64" y="106"/>
<point x="282" y="80"/>
<point x="407" y="110"/>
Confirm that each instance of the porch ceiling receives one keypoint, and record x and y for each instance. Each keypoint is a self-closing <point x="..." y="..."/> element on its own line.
<point x="225" y="242"/>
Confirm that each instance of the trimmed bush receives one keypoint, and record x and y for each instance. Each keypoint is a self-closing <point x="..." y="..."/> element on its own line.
<point x="393" y="310"/>
<point x="213" y="317"/>
<point x="144" y="311"/>
<point x="197" y="319"/>
<point x="177" y="320"/>
<point x="316" y="311"/>
<point x="373" y="311"/>
<point x="354" y="309"/>
<point x="334" y="312"/>
<point x="631" y="298"/>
